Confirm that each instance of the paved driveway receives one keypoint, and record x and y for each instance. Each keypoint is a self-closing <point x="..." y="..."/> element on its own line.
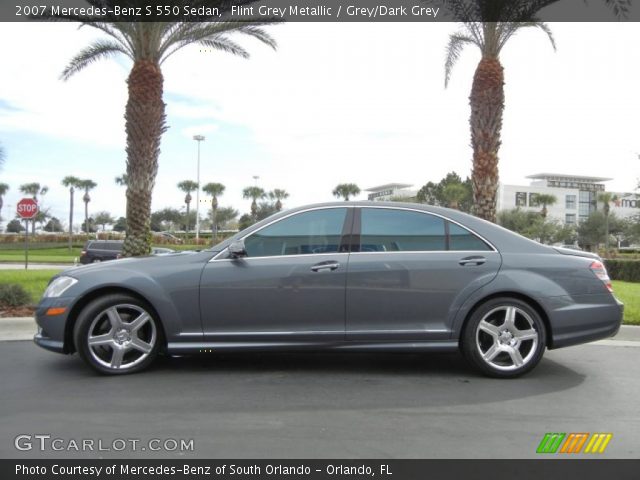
<point x="324" y="405"/>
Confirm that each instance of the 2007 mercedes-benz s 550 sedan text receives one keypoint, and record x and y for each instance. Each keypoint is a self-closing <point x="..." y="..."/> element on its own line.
<point x="356" y="276"/>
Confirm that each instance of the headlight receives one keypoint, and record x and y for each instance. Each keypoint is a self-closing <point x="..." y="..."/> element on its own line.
<point x="59" y="286"/>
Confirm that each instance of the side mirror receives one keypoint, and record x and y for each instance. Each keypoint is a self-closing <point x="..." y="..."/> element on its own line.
<point x="237" y="249"/>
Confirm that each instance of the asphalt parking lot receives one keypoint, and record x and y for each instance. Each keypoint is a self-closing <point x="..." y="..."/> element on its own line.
<point x="323" y="405"/>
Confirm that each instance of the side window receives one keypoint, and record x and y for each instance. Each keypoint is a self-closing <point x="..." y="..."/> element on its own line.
<point x="462" y="239"/>
<point x="316" y="231"/>
<point x="388" y="230"/>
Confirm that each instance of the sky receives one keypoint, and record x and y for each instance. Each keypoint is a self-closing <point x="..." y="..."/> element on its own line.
<point x="346" y="102"/>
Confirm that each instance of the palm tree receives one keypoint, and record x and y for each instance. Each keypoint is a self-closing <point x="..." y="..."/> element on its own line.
<point x="487" y="91"/>
<point x="346" y="190"/>
<point x="255" y="194"/>
<point x="215" y="190"/>
<point x="187" y="186"/>
<point x="122" y="180"/>
<point x="148" y="45"/>
<point x="546" y="200"/>
<point x="4" y="188"/>
<point x="606" y="198"/>
<point x="34" y="189"/>
<point x="453" y="194"/>
<point x="71" y="183"/>
<point x="86" y="185"/>
<point x="278" y="195"/>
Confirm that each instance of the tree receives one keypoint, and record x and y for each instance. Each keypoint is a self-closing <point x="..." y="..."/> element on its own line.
<point x="214" y="190"/>
<point x="104" y="218"/>
<point x="606" y="198"/>
<point x="487" y="91"/>
<point x="34" y="189"/>
<point x="188" y="186"/>
<point x="4" y="188"/>
<point x="53" y="225"/>
<point x="545" y="199"/>
<point x="278" y="195"/>
<point x="87" y="185"/>
<point x="15" y="226"/>
<point x="148" y="45"/>
<point x="120" y="225"/>
<point x="265" y="209"/>
<point x="122" y="180"/>
<point x="255" y="194"/>
<point x="450" y="192"/>
<point x="224" y="216"/>
<point x="593" y="230"/>
<point x="165" y="219"/>
<point x="346" y="190"/>
<point x="71" y="183"/>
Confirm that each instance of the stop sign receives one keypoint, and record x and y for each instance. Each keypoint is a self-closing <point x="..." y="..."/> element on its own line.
<point x="27" y="208"/>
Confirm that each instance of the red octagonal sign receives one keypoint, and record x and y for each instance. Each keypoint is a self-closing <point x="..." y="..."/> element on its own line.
<point x="27" y="208"/>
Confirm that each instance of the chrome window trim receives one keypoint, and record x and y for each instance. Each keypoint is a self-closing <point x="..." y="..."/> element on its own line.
<point x="284" y="218"/>
<point x="493" y="248"/>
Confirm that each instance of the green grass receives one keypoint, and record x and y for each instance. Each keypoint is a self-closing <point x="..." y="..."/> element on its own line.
<point x="34" y="281"/>
<point x="629" y="294"/>
<point x="41" y="255"/>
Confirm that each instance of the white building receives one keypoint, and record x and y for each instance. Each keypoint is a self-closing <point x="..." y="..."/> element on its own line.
<point x="577" y="197"/>
<point x="390" y="191"/>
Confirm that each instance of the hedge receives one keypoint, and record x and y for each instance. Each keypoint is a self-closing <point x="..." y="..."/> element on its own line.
<point x="625" y="270"/>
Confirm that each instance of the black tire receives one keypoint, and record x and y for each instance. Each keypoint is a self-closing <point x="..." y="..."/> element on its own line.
<point x="127" y="348"/>
<point x="504" y="349"/>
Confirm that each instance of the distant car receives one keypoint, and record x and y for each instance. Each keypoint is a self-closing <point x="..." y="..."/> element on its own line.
<point x="96" y="251"/>
<point x="168" y="237"/>
<point x="348" y="276"/>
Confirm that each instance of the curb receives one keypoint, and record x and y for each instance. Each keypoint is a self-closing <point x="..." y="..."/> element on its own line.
<point x="24" y="328"/>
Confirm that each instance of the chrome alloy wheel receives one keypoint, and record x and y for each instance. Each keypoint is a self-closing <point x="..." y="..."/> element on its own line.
<point x="121" y="336"/>
<point x="506" y="338"/>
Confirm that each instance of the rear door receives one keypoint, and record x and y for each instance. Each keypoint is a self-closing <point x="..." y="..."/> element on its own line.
<point x="409" y="272"/>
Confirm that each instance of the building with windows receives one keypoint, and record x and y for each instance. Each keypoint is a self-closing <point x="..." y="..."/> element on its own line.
<point x="390" y="191"/>
<point x="577" y="197"/>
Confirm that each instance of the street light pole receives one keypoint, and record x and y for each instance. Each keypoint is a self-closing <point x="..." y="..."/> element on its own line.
<point x="198" y="138"/>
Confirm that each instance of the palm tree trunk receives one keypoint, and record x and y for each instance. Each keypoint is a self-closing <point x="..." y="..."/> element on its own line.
<point x="86" y="217"/>
<point x="187" y="218"/>
<point x="71" y="192"/>
<point x="214" y="215"/>
<point x="487" y="105"/>
<point x="144" y="125"/>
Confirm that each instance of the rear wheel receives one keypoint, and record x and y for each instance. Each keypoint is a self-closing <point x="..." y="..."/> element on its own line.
<point x="117" y="334"/>
<point x="504" y="338"/>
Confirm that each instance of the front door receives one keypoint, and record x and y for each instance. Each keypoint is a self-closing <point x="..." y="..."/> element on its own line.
<point x="290" y="286"/>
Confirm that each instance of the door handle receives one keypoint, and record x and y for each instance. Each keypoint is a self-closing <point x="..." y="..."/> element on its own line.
<point x="322" y="266"/>
<point x="474" y="261"/>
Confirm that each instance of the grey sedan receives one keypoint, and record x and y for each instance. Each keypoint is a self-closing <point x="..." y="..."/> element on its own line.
<point x="357" y="276"/>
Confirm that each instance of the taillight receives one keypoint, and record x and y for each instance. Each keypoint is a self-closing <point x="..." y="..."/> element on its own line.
<point x="600" y="271"/>
<point x="83" y="253"/>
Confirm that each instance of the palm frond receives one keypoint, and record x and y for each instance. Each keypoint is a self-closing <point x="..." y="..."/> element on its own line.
<point x="226" y="45"/>
<point x="259" y="34"/>
<point x="98" y="50"/>
<point x="457" y="42"/>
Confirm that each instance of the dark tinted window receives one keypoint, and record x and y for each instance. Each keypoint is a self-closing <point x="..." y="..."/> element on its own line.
<point x="316" y="231"/>
<point x="388" y="230"/>
<point x="462" y="239"/>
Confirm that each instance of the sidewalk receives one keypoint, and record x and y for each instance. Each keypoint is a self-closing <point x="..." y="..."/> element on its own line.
<point x="24" y="328"/>
<point x="35" y="266"/>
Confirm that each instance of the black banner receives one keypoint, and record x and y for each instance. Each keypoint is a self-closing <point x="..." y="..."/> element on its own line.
<point x="322" y="10"/>
<point x="584" y="469"/>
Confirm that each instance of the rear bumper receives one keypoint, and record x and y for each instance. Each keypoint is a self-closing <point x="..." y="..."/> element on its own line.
<point x="575" y="320"/>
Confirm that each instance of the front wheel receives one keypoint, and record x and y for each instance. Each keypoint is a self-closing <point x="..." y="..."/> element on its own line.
<point x="504" y="338"/>
<point x="117" y="334"/>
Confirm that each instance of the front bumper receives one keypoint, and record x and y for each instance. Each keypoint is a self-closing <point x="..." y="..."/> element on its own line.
<point x="52" y="329"/>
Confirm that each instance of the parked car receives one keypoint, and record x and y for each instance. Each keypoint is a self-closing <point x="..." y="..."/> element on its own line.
<point x="96" y="251"/>
<point x="357" y="276"/>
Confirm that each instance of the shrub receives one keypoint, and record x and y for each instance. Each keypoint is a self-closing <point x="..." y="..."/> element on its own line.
<point x="626" y="270"/>
<point x="13" y="295"/>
